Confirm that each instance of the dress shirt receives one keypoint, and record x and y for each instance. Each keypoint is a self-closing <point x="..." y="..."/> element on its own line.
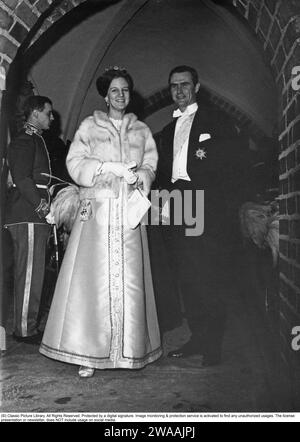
<point x="181" y="142"/>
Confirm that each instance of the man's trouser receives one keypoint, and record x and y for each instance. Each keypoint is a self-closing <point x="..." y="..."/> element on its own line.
<point x="29" y="241"/>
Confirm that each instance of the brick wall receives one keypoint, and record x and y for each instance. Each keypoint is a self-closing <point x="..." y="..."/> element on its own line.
<point x="17" y="17"/>
<point x="277" y="26"/>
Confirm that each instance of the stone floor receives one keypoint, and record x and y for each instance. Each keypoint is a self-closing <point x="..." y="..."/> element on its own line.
<point x="242" y="383"/>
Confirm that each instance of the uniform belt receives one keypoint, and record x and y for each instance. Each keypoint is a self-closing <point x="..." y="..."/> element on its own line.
<point x="39" y="186"/>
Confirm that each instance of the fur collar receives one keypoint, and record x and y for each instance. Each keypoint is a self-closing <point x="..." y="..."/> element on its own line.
<point x="102" y="120"/>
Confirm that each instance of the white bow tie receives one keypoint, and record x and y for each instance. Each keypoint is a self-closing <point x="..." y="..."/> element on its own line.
<point x="177" y="113"/>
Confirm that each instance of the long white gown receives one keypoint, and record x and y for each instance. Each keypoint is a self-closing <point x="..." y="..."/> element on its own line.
<point x="103" y="312"/>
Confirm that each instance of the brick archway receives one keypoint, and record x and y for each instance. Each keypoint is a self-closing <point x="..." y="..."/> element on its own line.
<point x="276" y="23"/>
<point x="18" y="17"/>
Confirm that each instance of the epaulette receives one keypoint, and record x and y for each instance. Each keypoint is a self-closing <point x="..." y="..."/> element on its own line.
<point x="30" y="130"/>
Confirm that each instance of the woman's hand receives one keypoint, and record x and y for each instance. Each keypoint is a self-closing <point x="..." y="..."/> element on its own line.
<point x="129" y="175"/>
<point x="121" y="170"/>
<point x="144" y="180"/>
<point x="115" y="167"/>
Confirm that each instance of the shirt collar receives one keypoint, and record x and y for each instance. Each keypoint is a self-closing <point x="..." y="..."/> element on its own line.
<point x="191" y="109"/>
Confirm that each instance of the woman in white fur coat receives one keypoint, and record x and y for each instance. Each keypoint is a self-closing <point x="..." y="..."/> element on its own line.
<point x="103" y="312"/>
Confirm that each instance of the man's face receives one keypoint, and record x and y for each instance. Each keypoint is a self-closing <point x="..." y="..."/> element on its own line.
<point x="183" y="90"/>
<point x="44" y="117"/>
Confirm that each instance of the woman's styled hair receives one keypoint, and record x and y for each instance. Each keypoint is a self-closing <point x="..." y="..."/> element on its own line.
<point x="103" y="82"/>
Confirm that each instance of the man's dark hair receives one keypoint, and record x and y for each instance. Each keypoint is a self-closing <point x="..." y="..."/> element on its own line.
<point x="35" y="102"/>
<point x="184" y="68"/>
<point x="103" y="82"/>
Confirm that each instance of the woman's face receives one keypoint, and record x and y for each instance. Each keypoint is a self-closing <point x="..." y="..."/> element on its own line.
<point x="118" y="94"/>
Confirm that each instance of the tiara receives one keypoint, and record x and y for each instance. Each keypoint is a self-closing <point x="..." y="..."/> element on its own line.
<point x="114" y="68"/>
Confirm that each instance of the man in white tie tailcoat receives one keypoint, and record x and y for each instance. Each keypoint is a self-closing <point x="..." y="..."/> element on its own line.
<point x="195" y="154"/>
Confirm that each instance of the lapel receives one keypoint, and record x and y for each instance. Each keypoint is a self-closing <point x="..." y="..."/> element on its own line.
<point x="200" y="125"/>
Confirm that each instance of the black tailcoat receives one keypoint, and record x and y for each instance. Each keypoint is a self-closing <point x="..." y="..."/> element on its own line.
<point x="198" y="262"/>
<point x="214" y="174"/>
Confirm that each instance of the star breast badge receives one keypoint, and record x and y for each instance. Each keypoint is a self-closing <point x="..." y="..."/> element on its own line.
<point x="200" y="154"/>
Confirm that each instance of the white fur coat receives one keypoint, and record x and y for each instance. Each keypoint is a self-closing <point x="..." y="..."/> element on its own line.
<point x="96" y="140"/>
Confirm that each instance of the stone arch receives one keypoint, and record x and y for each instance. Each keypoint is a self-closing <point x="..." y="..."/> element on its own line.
<point x="276" y="23"/>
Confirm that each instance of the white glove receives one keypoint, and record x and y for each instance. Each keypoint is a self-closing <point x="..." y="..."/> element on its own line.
<point x="144" y="180"/>
<point x="121" y="170"/>
<point x="129" y="175"/>
<point x="115" y="167"/>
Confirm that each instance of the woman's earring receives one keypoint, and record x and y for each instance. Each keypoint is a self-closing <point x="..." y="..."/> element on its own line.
<point x="106" y="101"/>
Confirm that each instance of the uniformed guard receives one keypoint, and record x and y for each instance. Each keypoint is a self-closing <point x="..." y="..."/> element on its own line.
<point x="27" y="208"/>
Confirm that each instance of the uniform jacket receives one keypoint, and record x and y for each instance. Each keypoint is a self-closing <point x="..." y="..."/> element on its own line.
<point x="98" y="140"/>
<point x="213" y="173"/>
<point x="28" y="158"/>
